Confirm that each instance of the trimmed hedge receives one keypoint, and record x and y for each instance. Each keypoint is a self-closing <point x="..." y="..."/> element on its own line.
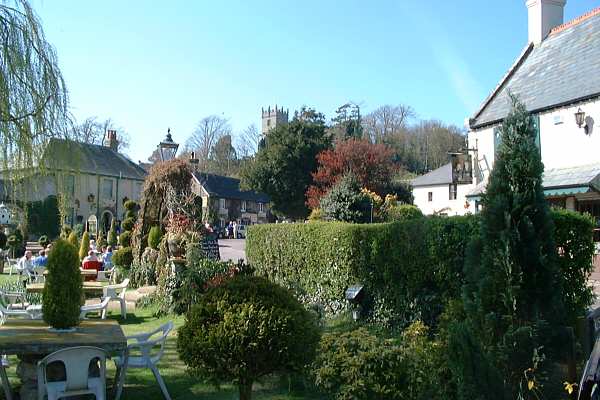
<point x="410" y="269"/>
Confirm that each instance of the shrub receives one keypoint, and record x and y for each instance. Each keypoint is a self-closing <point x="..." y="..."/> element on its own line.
<point x="346" y="202"/>
<point x="101" y="241"/>
<point x="128" y="224"/>
<point x="65" y="231"/>
<point x="125" y="239"/>
<point x="112" y="234"/>
<point x="43" y="217"/>
<point x="402" y="213"/>
<point x="245" y="329"/>
<point x="154" y="237"/>
<point x="3" y="240"/>
<point x="130" y="214"/>
<point x="361" y="365"/>
<point x="84" y="246"/>
<point x="123" y="257"/>
<point x="43" y="241"/>
<point x="73" y="239"/>
<point x="131" y="205"/>
<point x="315" y="215"/>
<point x="78" y="229"/>
<point x="63" y="293"/>
<point x="143" y="272"/>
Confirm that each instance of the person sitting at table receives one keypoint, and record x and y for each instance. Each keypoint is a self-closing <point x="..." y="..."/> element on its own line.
<point x="41" y="260"/>
<point x="25" y="263"/>
<point x="90" y="257"/>
<point x="107" y="257"/>
<point x="93" y="246"/>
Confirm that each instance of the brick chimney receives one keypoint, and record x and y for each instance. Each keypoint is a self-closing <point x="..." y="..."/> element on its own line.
<point x="543" y="15"/>
<point x="110" y="140"/>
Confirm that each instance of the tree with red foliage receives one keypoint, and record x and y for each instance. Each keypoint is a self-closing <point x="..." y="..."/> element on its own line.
<point x="372" y="164"/>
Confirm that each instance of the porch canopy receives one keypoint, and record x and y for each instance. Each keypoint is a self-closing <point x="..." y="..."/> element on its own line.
<point x="581" y="182"/>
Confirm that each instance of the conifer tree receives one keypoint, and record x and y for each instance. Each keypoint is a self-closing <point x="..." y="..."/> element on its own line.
<point x="513" y="296"/>
<point x="112" y="234"/>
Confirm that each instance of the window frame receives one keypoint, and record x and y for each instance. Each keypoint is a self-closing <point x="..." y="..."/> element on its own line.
<point x="104" y="186"/>
<point x="429" y="197"/>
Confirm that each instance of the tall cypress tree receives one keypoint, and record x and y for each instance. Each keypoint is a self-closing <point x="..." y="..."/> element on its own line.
<point x="513" y="294"/>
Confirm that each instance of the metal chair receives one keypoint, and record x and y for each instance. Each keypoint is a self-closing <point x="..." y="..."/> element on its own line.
<point x="76" y="361"/>
<point x="144" y="345"/>
<point x="117" y="292"/>
<point x="99" y="307"/>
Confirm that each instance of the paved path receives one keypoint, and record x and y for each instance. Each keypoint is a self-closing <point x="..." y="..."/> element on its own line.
<point x="232" y="249"/>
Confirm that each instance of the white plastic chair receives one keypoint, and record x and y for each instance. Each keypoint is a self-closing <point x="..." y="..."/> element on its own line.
<point x="148" y="358"/>
<point x="13" y="300"/>
<point x="117" y="293"/>
<point x="98" y="307"/>
<point x="31" y="312"/>
<point x="106" y="275"/>
<point x="77" y="366"/>
<point x="5" y="384"/>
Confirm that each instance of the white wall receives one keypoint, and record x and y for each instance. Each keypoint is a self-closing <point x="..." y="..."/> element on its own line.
<point x="441" y="199"/>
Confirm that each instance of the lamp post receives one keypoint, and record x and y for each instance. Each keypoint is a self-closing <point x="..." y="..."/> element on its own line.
<point x="168" y="148"/>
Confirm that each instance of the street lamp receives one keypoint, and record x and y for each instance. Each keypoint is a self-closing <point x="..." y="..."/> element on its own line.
<point x="168" y="148"/>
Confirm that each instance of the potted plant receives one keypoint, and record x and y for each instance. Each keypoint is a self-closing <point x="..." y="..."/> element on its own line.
<point x="63" y="293"/>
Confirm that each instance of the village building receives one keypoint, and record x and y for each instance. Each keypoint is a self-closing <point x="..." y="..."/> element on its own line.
<point x="223" y="201"/>
<point x="556" y="77"/>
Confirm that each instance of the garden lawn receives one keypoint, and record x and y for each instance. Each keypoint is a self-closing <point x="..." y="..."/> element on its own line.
<point x="141" y="385"/>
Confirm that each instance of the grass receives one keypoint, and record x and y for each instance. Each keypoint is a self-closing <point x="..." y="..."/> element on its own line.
<point x="141" y="385"/>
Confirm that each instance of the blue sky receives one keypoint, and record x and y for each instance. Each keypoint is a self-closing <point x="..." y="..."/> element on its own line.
<point x="150" y="65"/>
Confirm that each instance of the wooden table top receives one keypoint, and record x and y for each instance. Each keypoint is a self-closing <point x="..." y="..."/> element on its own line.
<point x="92" y="286"/>
<point x="84" y="272"/>
<point x="21" y="336"/>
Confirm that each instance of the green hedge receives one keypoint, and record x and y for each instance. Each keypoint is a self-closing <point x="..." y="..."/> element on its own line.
<point x="410" y="269"/>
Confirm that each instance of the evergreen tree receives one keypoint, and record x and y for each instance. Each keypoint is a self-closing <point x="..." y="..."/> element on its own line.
<point x="512" y="295"/>
<point x="112" y="234"/>
<point x="84" y="248"/>
<point x="345" y="201"/>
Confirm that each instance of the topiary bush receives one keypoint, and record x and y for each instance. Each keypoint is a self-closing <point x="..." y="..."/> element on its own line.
<point x="154" y="237"/>
<point x="43" y="241"/>
<point x="128" y="224"/>
<point x="112" y="234"/>
<point x="245" y="329"/>
<point x="346" y="202"/>
<point x="402" y="212"/>
<point x="125" y="239"/>
<point x="123" y="257"/>
<point x="65" y="231"/>
<point x="73" y="239"/>
<point x="63" y="293"/>
<point x="84" y="246"/>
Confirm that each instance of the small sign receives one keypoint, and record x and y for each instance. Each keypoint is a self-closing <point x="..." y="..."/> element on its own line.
<point x="354" y="293"/>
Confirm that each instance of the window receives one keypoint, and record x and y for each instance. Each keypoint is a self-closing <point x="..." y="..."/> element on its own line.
<point x="268" y="122"/>
<point x="429" y="196"/>
<point x="453" y="191"/>
<point x="261" y="207"/>
<point x="107" y="189"/>
<point x="222" y="204"/>
<point x="70" y="184"/>
<point x="243" y="207"/>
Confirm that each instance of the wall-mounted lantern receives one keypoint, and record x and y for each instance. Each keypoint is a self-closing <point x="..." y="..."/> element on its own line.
<point x="580" y="120"/>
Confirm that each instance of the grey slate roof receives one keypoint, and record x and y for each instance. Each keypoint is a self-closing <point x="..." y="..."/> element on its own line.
<point x="90" y="158"/>
<point x="560" y="70"/>
<point x="440" y="176"/>
<point x="228" y="188"/>
<point x="583" y="175"/>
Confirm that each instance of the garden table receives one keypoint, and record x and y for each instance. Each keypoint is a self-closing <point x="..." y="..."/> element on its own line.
<point x="84" y="272"/>
<point x="31" y="341"/>
<point x="91" y="287"/>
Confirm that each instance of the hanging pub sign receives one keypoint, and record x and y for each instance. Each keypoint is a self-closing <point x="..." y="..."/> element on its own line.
<point x="462" y="168"/>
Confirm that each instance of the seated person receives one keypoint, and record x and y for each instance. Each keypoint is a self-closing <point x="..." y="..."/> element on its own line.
<point x="25" y="263"/>
<point x="41" y="260"/>
<point x="90" y="257"/>
<point x="107" y="257"/>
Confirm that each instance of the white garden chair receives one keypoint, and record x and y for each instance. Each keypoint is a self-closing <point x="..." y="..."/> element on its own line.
<point x="117" y="293"/>
<point x="148" y="353"/>
<point x="98" y="308"/>
<point x="31" y="312"/>
<point x="77" y="367"/>
<point x="106" y="276"/>
<point x="13" y="300"/>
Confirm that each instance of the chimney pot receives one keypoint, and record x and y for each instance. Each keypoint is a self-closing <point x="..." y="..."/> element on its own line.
<point x="543" y="15"/>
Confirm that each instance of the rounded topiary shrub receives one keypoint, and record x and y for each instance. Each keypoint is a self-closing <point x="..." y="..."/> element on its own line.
<point x="128" y="224"/>
<point x="63" y="293"/>
<point x="154" y="237"/>
<point x="125" y="239"/>
<point x="131" y="205"/>
<point x="43" y="241"/>
<point x="84" y="246"/>
<point x="403" y="212"/>
<point x="123" y="257"/>
<point x="245" y="329"/>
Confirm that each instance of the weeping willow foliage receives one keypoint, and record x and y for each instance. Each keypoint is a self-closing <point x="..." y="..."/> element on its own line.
<point x="33" y="95"/>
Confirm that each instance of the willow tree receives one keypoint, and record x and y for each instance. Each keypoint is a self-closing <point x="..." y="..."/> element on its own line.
<point x="33" y="96"/>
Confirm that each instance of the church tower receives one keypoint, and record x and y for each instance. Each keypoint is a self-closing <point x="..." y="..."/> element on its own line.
<point x="272" y="118"/>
